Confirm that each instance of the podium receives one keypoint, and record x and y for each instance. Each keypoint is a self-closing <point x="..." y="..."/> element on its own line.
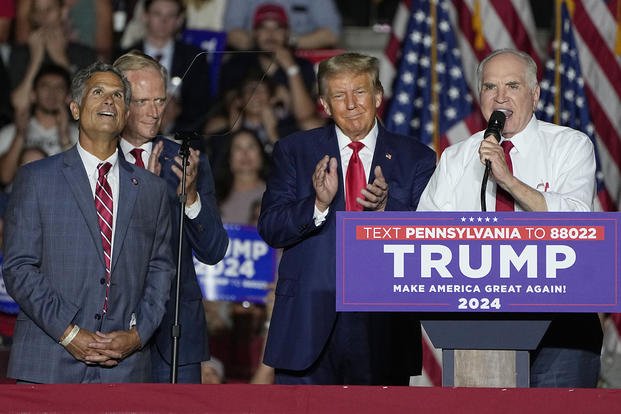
<point x="484" y="283"/>
<point x="485" y="350"/>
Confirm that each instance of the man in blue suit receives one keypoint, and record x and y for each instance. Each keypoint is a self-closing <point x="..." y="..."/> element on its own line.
<point x="90" y="301"/>
<point x="203" y="230"/>
<point x="308" y="341"/>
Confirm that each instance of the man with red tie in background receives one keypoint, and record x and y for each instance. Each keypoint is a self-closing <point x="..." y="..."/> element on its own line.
<point x="203" y="231"/>
<point x="88" y="259"/>
<point x="537" y="166"/>
<point x="352" y="164"/>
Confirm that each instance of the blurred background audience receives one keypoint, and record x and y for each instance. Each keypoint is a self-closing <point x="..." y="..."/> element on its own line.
<point x="240" y="177"/>
<point x="42" y="38"/>
<point x="315" y="24"/>
<point x="43" y="122"/>
<point x="188" y="70"/>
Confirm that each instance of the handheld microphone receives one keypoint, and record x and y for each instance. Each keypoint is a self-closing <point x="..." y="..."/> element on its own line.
<point x="495" y="125"/>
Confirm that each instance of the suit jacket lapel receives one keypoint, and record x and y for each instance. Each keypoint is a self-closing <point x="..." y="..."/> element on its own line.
<point x="383" y="156"/>
<point x="129" y="186"/>
<point x="77" y="180"/>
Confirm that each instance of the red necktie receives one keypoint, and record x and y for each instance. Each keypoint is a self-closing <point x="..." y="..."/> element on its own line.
<point x="137" y="154"/>
<point x="504" y="201"/>
<point x="104" y="205"/>
<point x="355" y="180"/>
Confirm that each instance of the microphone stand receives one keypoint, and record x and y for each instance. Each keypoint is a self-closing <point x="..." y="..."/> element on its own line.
<point x="184" y="152"/>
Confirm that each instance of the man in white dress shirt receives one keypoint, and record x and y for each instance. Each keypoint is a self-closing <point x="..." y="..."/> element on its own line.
<point x="553" y="169"/>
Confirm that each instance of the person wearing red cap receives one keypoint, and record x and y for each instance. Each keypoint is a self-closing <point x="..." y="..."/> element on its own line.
<point x="270" y="12"/>
<point x="314" y="24"/>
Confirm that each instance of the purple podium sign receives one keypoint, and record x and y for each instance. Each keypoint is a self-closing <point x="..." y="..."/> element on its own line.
<point x="478" y="262"/>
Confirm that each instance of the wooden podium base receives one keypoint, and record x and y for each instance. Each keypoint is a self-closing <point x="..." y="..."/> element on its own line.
<point x="485" y="368"/>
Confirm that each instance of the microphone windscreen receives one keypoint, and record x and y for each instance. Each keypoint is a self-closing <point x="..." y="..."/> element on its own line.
<point x="495" y="125"/>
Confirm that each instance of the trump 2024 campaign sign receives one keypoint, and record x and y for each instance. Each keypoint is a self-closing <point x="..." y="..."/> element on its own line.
<point x="478" y="262"/>
<point x="247" y="271"/>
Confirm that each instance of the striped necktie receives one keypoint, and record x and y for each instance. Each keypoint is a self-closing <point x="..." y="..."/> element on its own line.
<point x="104" y="206"/>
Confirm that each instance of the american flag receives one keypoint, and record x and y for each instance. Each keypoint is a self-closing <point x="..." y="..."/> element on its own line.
<point x="462" y="41"/>
<point x="507" y="24"/>
<point x="597" y="31"/>
<point x="431" y="94"/>
<point x="563" y="98"/>
<point x="582" y="83"/>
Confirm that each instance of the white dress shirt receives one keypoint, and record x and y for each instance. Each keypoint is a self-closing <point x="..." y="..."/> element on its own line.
<point x="557" y="161"/>
<point x="90" y="163"/>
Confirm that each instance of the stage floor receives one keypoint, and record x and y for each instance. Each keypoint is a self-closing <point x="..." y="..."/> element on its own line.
<point x="240" y="398"/>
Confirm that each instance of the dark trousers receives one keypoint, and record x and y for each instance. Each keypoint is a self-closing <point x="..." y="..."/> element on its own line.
<point x="363" y="349"/>
<point x="569" y="353"/>
<point x="344" y="360"/>
<point x="564" y="368"/>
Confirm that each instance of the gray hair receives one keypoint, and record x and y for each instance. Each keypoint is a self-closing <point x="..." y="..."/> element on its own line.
<point x="531" y="67"/>
<point x="354" y="63"/>
<point x="136" y="60"/>
<point x="83" y="75"/>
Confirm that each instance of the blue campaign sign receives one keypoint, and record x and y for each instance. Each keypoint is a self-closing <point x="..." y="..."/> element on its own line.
<point x="478" y="262"/>
<point x="245" y="273"/>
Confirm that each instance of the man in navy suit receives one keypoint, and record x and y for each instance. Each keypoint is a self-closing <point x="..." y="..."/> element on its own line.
<point x="308" y="341"/>
<point x="87" y="311"/>
<point x="203" y="230"/>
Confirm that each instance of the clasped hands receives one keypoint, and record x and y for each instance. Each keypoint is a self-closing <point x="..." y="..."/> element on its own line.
<point x="326" y="182"/>
<point x="105" y="349"/>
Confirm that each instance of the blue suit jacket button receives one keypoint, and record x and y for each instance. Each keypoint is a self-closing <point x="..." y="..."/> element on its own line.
<point x="97" y="316"/>
<point x="102" y="281"/>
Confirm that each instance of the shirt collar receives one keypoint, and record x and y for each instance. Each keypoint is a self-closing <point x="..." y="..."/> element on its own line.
<point x="369" y="141"/>
<point x="126" y="147"/>
<point x="91" y="162"/>
<point x="524" y="140"/>
<point x="165" y="51"/>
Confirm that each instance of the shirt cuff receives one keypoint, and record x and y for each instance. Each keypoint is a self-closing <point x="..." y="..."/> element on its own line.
<point x="192" y="210"/>
<point x="319" y="216"/>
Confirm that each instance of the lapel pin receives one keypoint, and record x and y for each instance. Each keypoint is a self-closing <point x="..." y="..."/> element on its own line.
<point x="389" y="156"/>
<point x="134" y="181"/>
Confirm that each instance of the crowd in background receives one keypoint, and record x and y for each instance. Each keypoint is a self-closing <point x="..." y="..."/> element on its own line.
<point x="235" y="103"/>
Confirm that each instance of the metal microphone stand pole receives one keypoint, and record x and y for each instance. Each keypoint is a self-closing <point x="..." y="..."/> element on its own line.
<point x="184" y="152"/>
